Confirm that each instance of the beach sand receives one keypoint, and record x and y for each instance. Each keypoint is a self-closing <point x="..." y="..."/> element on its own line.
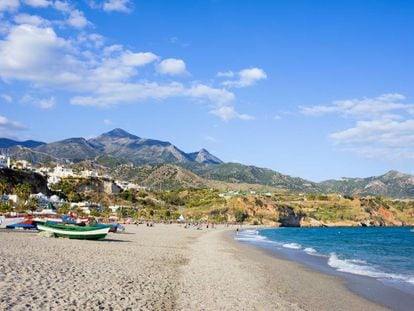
<point x="165" y="267"/>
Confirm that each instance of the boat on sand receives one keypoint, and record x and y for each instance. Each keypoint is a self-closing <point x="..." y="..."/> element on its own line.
<point x="8" y="221"/>
<point x="73" y="231"/>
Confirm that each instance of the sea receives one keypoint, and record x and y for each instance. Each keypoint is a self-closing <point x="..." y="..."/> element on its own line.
<point x="377" y="262"/>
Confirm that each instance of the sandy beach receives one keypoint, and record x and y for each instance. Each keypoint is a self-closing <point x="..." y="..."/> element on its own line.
<point x="165" y="267"/>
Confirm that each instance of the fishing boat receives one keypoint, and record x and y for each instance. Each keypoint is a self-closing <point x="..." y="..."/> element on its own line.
<point x="114" y="227"/>
<point x="28" y="224"/>
<point x="8" y="221"/>
<point x="73" y="231"/>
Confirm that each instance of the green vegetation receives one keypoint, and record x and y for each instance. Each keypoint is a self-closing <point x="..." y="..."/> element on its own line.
<point x="240" y="216"/>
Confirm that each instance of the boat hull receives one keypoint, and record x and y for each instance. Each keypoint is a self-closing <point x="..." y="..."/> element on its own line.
<point x="4" y="222"/>
<point x="75" y="234"/>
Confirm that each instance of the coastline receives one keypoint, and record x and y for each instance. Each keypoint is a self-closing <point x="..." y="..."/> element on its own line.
<point x="165" y="267"/>
<point x="368" y="288"/>
<point x="301" y="285"/>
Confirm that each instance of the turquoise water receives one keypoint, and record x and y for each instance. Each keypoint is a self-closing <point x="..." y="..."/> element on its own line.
<point x="384" y="253"/>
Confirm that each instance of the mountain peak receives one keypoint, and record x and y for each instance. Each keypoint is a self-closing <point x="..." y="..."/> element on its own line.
<point x="119" y="133"/>
<point x="203" y="156"/>
<point x="8" y="143"/>
<point x="394" y="174"/>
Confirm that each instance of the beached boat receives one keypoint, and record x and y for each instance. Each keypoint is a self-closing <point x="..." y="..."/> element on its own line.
<point x="27" y="224"/>
<point x="114" y="227"/>
<point x="73" y="231"/>
<point x="8" y="221"/>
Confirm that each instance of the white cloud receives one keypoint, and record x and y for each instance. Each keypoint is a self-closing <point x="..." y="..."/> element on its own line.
<point x="48" y="56"/>
<point x="117" y="5"/>
<point x="95" y="74"/>
<point x="38" y="3"/>
<point x="215" y="95"/>
<point x="7" y="98"/>
<point x="228" y="112"/>
<point x="62" y="6"/>
<point x="138" y="59"/>
<point x="35" y="100"/>
<point x="46" y="103"/>
<point x="225" y="74"/>
<point x="210" y="139"/>
<point x="115" y="93"/>
<point x="107" y="122"/>
<point x="8" y="128"/>
<point x="9" y="5"/>
<point x="172" y="66"/>
<point x="383" y="126"/>
<point x="364" y="107"/>
<point x="77" y="19"/>
<point x="246" y="77"/>
<point x="384" y="132"/>
<point x="115" y="48"/>
<point x="6" y="123"/>
<point x="34" y="20"/>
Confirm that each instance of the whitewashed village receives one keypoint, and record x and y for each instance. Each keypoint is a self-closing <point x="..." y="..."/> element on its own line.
<point x="45" y="204"/>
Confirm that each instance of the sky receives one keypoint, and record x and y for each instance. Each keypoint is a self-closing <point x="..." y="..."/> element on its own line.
<point x="315" y="89"/>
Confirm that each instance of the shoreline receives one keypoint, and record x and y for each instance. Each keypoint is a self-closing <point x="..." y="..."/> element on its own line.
<point x="165" y="267"/>
<point x="300" y="284"/>
<point x="371" y="289"/>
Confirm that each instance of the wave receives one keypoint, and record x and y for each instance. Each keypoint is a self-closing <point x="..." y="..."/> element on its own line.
<point x="251" y="236"/>
<point x="361" y="267"/>
<point x="292" y="245"/>
<point x="310" y="250"/>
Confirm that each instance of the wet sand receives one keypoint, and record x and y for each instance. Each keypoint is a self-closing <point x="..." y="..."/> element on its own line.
<point x="165" y="267"/>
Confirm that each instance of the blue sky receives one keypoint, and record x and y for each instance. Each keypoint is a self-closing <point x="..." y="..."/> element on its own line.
<point x="316" y="89"/>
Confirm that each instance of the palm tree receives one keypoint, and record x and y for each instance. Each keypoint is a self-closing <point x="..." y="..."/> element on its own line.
<point x="3" y="188"/>
<point x="23" y="192"/>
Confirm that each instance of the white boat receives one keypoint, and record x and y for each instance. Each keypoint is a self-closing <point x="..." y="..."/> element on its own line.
<point x="4" y="222"/>
<point x="46" y="219"/>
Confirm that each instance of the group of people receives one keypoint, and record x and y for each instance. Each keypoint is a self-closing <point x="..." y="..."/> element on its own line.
<point x="198" y="225"/>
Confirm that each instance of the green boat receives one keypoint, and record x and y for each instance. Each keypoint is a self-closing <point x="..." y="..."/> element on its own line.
<point x="73" y="231"/>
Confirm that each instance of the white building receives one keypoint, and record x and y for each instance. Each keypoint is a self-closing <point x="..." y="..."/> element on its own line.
<point x="86" y="207"/>
<point x="88" y="173"/>
<point x="41" y="199"/>
<point x="22" y="164"/>
<point x="125" y="185"/>
<point x="4" y="161"/>
<point x="10" y="197"/>
<point x="58" y="173"/>
<point x="61" y="171"/>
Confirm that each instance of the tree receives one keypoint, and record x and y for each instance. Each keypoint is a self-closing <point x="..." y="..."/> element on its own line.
<point x="3" y="188"/>
<point x="6" y="206"/>
<point x="64" y="209"/>
<point x="240" y="216"/>
<point x="74" y="197"/>
<point x="32" y="204"/>
<point x="23" y="192"/>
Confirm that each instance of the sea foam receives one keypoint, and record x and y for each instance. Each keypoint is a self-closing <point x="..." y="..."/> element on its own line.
<point x="292" y="245"/>
<point x="361" y="267"/>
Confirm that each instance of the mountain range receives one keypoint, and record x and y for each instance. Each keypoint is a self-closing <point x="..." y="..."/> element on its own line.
<point x="155" y="158"/>
<point x="7" y="143"/>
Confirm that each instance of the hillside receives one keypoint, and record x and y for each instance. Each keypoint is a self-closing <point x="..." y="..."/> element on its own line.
<point x="117" y="144"/>
<point x="141" y="160"/>
<point x="239" y="173"/>
<point x="392" y="184"/>
<point x="9" y="179"/>
<point x="8" y="143"/>
<point x="172" y="177"/>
